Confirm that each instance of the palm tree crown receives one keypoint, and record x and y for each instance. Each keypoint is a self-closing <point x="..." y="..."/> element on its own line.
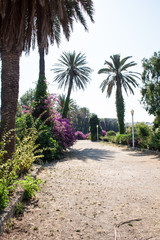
<point x="72" y="69"/>
<point x="118" y="76"/>
<point x="72" y="72"/>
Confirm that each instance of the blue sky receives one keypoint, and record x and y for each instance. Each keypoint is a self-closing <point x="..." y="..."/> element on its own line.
<point x="125" y="27"/>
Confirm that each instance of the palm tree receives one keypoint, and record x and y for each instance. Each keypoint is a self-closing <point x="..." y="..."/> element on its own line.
<point x="73" y="73"/>
<point x="22" y="24"/>
<point x="119" y="77"/>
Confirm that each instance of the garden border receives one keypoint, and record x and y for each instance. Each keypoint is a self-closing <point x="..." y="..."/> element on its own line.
<point x="9" y="211"/>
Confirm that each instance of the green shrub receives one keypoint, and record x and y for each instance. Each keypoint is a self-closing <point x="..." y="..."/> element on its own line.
<point x="155" y="140"/>
<point x="4" y="195"/>
<point x="48" y="147"/>
<point x="30" y="185"/>
<point x="46" y="142"/>
<point x="111" y="133"/>
<point x="142" y="134"/>
<point x="111" y="139"/>
<point x="123" y="139"/>
<point x="19" y="208"/>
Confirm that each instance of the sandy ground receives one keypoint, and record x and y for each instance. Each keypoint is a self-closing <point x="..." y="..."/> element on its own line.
<point x="97" y="192"/>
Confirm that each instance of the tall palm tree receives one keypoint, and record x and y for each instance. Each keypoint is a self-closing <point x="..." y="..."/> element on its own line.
<point x="118" y="76"/>
<point x="22" y="24"/>
<point x="71" y="72"/>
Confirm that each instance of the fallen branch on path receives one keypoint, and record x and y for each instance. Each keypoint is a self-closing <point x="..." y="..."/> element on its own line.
<point x="122" y="223"/>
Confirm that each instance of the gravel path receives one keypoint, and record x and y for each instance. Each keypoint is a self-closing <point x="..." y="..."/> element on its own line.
<point x="92" y="190"/>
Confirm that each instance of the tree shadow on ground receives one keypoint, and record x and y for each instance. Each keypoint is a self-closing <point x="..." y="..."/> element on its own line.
<point x="83" y="155"/>
<point x="89" y="153"/>
<point x="142" y="153"/>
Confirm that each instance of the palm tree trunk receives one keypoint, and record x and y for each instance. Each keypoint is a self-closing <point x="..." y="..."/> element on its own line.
<point x="66" y="105"/>
<point x="120" y="111"/>
<point x="9" y="96"/>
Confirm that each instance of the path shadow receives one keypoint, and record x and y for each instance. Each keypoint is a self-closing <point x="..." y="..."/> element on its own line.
<point x="83" y="155"/>
<point x="142" y="153"/>
<point x="89" y="153"/>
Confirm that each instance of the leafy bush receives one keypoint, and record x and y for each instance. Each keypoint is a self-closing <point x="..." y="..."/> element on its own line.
<point x="19" y="208"/>
<point x="111" y="139"/>
<point x="4" y="198"/>
<point x="142" y="134"/>
<point x="57" y="133"/>
<point x="111" y="133"/>
<point x="155" y="140"/>
<point x="124" y="139"/>
<point x="30" y="185"/>
<point x="47" y="143"/>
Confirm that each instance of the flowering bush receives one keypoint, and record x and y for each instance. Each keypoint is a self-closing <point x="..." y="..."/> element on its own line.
<point x="57" y="129"/>
<point x="81" y="136"/>
<point x="63" y="132"/>
<point x="103" y="133"/>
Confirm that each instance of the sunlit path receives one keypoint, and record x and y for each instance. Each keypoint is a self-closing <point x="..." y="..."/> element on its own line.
<point x="92" y="189"/>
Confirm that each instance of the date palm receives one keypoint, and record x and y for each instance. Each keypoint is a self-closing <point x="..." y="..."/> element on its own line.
<point x="118" y="76"/>
<point x="71" y="72"/>
<point x="22" y="24"/>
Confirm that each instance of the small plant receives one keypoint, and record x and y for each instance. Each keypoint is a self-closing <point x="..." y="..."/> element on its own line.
<point x="35" y="228"/>
<point x="19" y="208"/>
<point x="31" y="186"/>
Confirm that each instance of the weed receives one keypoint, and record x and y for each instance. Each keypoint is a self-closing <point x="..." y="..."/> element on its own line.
<point x="19" y="208"/>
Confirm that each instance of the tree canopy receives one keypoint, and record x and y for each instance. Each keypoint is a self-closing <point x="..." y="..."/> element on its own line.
<point x="151" y="85"/>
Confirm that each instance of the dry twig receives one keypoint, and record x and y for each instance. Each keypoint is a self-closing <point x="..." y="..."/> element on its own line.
<point x="122" y="223"/>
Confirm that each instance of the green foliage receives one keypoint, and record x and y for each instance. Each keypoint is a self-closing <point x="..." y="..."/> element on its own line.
<point x="124" y="139"/>
<point x="4" y="198"/>
<point x="26" y="100"/>
<point x="19" y="208"/>
<point x="111" y="133"/>
<point x="71" y="72"/>
<point x="47" y="143"/>
<point x="93" y="122"/>
<point x="142" y="134"/>
<point x="120" y="112"/>
<point x="21" y="162"/>
<point x="40" y="96"/>
<point x="155" y="140"/>
<point x="30" y="185"/>
<point x="111" y="138"/>
<point x="119" y="77"/>
<point x="151" y="85"/>
<point x="109" y="124"/>
<point x="47" y="147"/>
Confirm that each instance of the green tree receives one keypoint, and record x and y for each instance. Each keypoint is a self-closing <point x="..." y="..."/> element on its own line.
<point x="94" y="122"/>
<point x="26" y="100"/>
<point x="28" y="97"/>
<point x="83" y="120"/>
<point x="71" y="72"/>
<point x="118" y="76"/>
<point x="22" y="24"/>
<point x="151" y="86"/>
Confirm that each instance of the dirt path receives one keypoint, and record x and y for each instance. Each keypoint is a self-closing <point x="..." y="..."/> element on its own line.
<point x="95" y="187"/>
